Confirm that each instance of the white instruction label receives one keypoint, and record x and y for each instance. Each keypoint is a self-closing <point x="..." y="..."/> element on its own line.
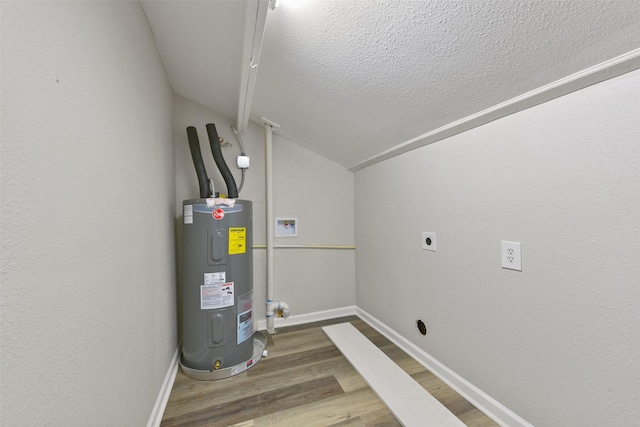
<point x="188" y="214"/>
<point x="218" y="295"/>
<point x="215" y="278"/>
<point x="245" y="320"/>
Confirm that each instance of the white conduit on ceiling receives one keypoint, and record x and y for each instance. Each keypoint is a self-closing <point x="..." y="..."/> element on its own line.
<point x="271" y="305"/>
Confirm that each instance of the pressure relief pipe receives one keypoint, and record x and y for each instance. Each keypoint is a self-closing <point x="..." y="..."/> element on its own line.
<point x="268" y="157"/>
<point x="214" y="141"/>
<point x="272" y="305"/>
<point x="196" y="155"/>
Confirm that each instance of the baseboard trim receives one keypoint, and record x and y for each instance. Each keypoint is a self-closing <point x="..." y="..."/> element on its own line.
<point x="310" y="317"/>
<point x="165" y="391"/>
<point x="491" y="407"/>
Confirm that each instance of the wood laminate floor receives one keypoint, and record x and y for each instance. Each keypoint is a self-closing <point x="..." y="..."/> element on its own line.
<point x="305" y="381"/>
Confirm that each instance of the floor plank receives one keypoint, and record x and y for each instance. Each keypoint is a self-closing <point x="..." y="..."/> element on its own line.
<point x="264" y="380"/>
<point x="249" y="407"/>
<point x="336" y="409"/>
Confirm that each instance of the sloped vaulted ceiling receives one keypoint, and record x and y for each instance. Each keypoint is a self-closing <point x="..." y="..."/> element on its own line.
<point x="200" y="43"/>
<point x="350" y="79"/>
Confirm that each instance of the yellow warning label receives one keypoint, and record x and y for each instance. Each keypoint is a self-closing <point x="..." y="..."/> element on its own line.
<point x="237" y="240"/>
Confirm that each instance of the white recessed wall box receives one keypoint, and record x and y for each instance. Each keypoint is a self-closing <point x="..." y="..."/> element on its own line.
<point x="286" y="227"/>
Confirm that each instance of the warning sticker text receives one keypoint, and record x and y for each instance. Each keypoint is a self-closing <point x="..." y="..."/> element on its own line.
<point x="237" y="240"/>
<point x="216" y="295"/>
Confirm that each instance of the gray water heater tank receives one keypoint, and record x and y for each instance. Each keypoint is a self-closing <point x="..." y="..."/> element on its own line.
<point x="217" y="290"/>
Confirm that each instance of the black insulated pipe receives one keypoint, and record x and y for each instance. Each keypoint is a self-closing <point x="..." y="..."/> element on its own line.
<point x="196" y="155"/>
<point x="232" y="189"/>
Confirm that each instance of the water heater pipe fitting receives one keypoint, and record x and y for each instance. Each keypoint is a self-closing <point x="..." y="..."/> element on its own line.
<point x="268" y="167"/>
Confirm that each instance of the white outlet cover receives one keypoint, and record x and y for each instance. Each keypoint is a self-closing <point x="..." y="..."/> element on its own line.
<point x="512" y="255"/>
<point x="429" y="241"/>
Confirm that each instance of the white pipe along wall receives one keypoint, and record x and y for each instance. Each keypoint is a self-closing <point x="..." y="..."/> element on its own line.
<point x="271" y="305"/>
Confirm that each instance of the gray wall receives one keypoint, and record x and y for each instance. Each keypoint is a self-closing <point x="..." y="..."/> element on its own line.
<point x="88" y="277"/>
<point x="317" y="191"/>
<point x="557" y="343"/>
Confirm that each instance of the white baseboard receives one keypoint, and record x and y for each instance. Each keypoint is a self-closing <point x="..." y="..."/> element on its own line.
<point x="309" y="317"/>
<point x="165" y="391"/>
<point x="491" y="407"/>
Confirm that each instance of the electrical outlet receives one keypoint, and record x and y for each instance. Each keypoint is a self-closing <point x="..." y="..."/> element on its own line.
<point x="429" y="241"/>
<point x="512" y="255"/>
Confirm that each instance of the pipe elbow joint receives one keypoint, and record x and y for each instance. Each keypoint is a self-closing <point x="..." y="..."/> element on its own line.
<point x="283" y="309"/>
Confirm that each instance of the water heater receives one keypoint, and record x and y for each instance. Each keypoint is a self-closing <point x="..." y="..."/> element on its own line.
<point x="219" y="338"/>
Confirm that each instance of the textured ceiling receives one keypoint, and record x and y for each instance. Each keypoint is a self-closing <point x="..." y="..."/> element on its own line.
<point x="349" y="79"/>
